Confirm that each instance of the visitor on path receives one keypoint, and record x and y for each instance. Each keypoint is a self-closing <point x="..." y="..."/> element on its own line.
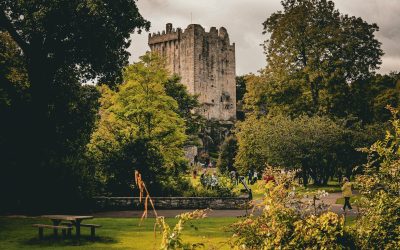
<point x="237" y="177"/>
<point x="203" y="178"/>
<point x="214" y="180"/>
<point x="249" y="176"/>
<point x="232" y="175"/>
<point x="255" y="177"/>
<point x="347" y="193"/>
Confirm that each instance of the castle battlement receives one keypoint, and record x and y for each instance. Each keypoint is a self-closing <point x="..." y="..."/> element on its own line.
<point x="172" y="34"/>
<point x="206" y="63"/>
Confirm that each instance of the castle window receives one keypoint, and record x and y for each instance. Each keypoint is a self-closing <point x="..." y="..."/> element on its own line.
<point x="221" y="99"/>
<point x="199" y="57"/>
<point x="222" y="71"/>
<point x="212" y="100"/>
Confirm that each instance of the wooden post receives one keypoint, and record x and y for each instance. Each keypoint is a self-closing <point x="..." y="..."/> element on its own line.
<point x="55" y="230"/>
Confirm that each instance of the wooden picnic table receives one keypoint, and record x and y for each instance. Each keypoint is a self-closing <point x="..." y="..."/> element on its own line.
<point x="74" y="219"/>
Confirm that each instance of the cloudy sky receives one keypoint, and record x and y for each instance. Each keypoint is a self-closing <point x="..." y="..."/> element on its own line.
<point x="243" y="19"/>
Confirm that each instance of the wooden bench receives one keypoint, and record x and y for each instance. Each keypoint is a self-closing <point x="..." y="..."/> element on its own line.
<point x="92" y="227"/>
<point x="64" y="229"/>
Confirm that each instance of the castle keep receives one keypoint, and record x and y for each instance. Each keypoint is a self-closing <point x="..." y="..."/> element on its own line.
<point x="206" y="63"/>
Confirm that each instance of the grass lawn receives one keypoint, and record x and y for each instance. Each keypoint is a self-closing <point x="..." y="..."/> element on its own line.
<point x="115" y="233"/>
<point x="332" y="187"/>
<point x="258" y="187"/>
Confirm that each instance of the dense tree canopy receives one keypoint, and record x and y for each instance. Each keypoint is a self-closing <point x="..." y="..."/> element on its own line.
<point x="187" y="103"/>
<point x="63" y="40"/>
<point x="47" y="50"/>
<point x="317" y="52"/>
<point x="140" y="129"/>
<point x="227" y="154"/>
<point x="318" y="146"/>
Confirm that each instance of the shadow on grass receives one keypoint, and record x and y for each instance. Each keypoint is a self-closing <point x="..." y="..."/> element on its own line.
<point x="53" y="241"/>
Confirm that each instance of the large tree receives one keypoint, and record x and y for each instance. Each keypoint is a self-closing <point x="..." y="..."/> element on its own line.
<point x="85" y="40"/>
<point x="140" y="129"/>
<point x="56" y="46"/>
<point x="318" y="146"/>
<point x="317" y="51"/>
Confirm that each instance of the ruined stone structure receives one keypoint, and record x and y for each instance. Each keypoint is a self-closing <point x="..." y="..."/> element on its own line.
<point x="206" y="63"/>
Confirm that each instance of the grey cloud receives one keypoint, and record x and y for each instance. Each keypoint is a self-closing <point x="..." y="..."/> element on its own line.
<point x="243" y="19"/>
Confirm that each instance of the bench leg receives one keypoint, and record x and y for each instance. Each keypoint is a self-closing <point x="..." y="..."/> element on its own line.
<point x="92" y="232"/>
<point x="64" y="233"/>
<point x="69" y="232"/>
<point x="55" y="230"/>
<point x="40" y="233"/>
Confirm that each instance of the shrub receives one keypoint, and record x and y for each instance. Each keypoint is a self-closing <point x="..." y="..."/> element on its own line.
<point x="288" y="221"/>
<point x="379" y="224"/>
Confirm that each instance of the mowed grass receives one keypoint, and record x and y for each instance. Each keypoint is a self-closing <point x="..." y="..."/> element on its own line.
<point x="115" y="233"/>
<point x="332" y="187"/>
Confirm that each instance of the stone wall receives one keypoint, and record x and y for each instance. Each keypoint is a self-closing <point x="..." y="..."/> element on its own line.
<point x="132" y="203"/>
<point x="206" y="63"/>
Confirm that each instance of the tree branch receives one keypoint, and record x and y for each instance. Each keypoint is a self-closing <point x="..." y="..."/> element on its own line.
<point x="6" y="24"/>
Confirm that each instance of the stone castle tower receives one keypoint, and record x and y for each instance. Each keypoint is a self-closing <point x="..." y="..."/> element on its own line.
<point x="206" y="63"/>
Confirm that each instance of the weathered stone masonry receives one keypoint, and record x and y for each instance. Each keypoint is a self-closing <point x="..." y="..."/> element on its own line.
<point x="206" y="63"/>
<point x="133" y="203"/>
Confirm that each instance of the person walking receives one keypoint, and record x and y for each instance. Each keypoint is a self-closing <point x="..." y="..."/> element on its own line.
<point x="249" y="176"/>
<point x="347" y="193"/>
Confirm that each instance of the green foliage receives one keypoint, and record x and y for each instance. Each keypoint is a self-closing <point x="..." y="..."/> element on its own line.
<point x="370" y="97"/>
<point x="379" y="225"/>
<point x="139" y="129"/>
<point x="13" y="75"/>
<point x="49" y="49"/>
<point x="223" y="187"/>
<point x="314" y="52"/>
<point x="186" y="104"/>
<point x="240" y="92"/>
<point x="240" y="87"/>
<point x="212" y="134"/>
<point x="258" y="94"/>
<point x="318" y="146"/>
<point x="67" y="33"/>
<point x="227" y="154"/>
<point x="288" y="221"/>
<point x="171" y="239"/>
<point x="321" y="232"/>
<point x="306" y="143"/>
